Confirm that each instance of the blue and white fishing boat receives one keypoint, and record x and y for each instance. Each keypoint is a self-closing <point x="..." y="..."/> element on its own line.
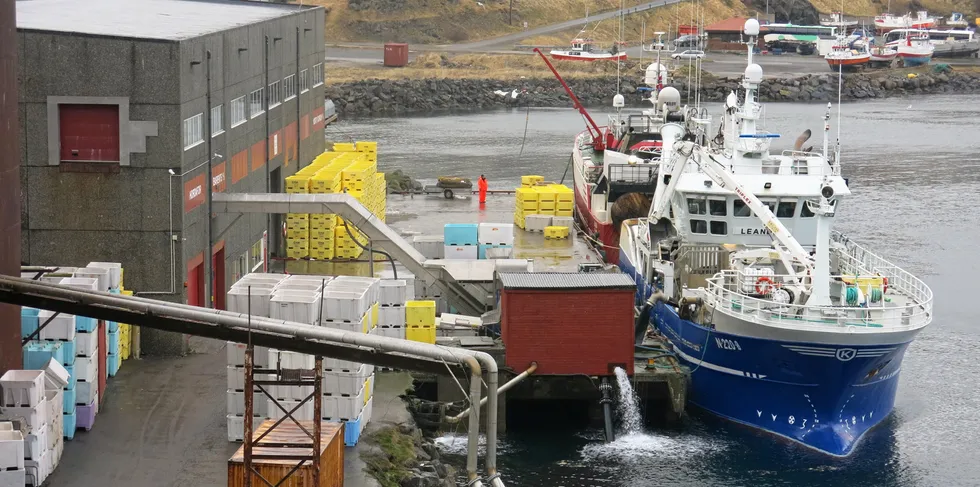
<point x="787" y="326"/>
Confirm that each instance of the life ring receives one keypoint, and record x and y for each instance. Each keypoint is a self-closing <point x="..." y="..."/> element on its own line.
<point x="759" y="285"/>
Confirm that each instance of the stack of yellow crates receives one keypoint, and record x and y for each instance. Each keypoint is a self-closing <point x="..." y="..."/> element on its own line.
<point x="350" y="168"/>
<point x="536" y="198"/>
<point x="125" y="332"/>
<point x="420" y="321"/>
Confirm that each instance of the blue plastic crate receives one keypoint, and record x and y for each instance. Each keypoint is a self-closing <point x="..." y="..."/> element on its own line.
<point x="112" y="364"/>
<point x="28" y="321"/>
<point x="69" y="350"/>
<point x="69" y="424"/>
<point x="461" y="234"/>
<point x="69" y="395"/>
<point x="86" y="324"/>
<point x="112" y="326"/>
<point x="482" y="251"/>
<point x="72" y="380"/>
<point x="352" y="431"/>
<point x="38" y="354"/>
<point x="113" y="341"/>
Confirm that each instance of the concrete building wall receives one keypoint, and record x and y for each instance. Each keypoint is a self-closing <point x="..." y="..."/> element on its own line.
<point x="10" y="351"/>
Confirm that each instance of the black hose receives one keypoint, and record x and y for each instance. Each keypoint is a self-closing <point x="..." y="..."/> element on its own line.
<point x="527" y="118"/>
<point x="394" y="270"/>
<point x="566" y="168"/>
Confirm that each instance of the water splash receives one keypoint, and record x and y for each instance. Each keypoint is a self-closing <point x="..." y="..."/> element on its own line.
<point x="627" y="408"/>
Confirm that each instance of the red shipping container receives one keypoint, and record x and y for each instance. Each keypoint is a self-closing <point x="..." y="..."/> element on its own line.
<point x="396" y="54"/>
<point x="569" y="323"/>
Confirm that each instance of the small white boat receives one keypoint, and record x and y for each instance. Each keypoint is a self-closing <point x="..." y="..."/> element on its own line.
<point x="957" y="20"/>
<point x="848" y="55"/>
<point x="584" y="49"/>
<point x="916" y="50"/>
<point x="883" y="54"/>
<point x="887" y="22"/>
<point x="836" y="19"/>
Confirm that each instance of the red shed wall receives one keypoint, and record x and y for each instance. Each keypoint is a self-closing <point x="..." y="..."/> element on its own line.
<point x="578" y="332"/>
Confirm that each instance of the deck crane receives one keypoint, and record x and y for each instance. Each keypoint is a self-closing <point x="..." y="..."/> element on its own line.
<point x="599" y="142"/>
<point x="685" y="151"/>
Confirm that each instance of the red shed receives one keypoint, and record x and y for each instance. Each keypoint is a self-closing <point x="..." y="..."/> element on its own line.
<point x="569" y="323"/>
<point x="396" y="55"/>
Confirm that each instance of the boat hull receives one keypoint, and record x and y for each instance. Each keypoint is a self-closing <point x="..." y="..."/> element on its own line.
<point x="911" y="59"/>
<point x="848" y="63"/>
<point x="566" y="56"/>
<point x="603" y="232"/>
<point x="824" y="396"/>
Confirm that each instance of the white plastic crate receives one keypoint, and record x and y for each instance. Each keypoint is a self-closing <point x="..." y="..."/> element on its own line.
<point x="115" y="272"/>
<point x="355" y="326"/>
<point x="339" y="382"/>
<point x="35" y="473"/>
<point x="336" y="364"/>
<point x="56" y="376"/>
<point x="496" y="234"/>
<point x="293" y="306"/>
<point x="86" y="392"/>
<point x="304" y="413"/>
<point x="35" y="417"/>
<point x="367" y="412"/>
<point x="536" y="223"/>
<point x="293" y="393"/>
<point x="462" y="252"/>
<point x="87" y="343"/>
<point x="236" y="403"/>
<point x="62" y="327"/>
<point x="348" y="406"/>
<point x="308" y="278"/>
<point x="87" y="283"/>
<point x="391" y="316"/>
<point x="290" y="360"/>
<point x="236" y="355"/>
<point x="22" y="388"/>
<point x="101" y="274"/>
<point x="392" y="331"/>
<point x="18" y="478"/>
<point x="36" y="442"/>
<point x="11" y="450"/>
<point x="345" y="305"/>
<point x="431" y="247"/>
<point x="238" y="300"/>
<point x="371" y="284"/>
<point x="290" y="285"/>
<point x="393" y="292"/>
<point x="87" y="368"/>
<point x="236" y="428"/>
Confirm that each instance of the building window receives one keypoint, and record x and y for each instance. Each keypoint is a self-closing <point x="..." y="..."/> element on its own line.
<point x="304" y="81"/>
<point x="256" y="105"/>
<point x="217" y="124"/>
<point x="719" y="228"/>
<point x="238" y="111"/>
<point x="193" y="130"/>
<point x="89" y="133"/>
<point x="289" y="87"/>
<point x="275" y="93"/>
<point x="699" y="226"/>
<point x="318" y="74"/>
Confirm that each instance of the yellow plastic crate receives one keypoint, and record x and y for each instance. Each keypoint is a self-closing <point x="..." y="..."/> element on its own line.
<point x="322" y="254"/>
<point x="560" y="212"/>
<point x="319" y="234"/>
<point x="297" y="233"/>
<point x="545" y="195"/>
<point x="364" y="146"/>
<point x="321" y="244"/>
<point x="368" y="391"/>
<point x="421" y="313"/>
<point x="294" y="252"/>
<point x="527" y="195"/>
<point x="297" y="184"/>
<point x="563" y="193"/>
<point x="343" y="147"/>
<point x="528" y="181"/>
<point x="554" y="232"/>
<point x="519" y="219"/>
<point x="564" y="205"/>
<point x="325" y="181"/>
<point x="546" y="211"/>
<point x="323" y="221"/>
<point x="374" y="315"/>
<point x="424" y="334"/>
<point x="297" y="221"/>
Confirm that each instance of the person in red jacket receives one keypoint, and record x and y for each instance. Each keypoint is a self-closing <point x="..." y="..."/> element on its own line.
<point x="482" y="183"/>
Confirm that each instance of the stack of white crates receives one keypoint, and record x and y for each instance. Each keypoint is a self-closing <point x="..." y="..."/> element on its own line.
<point x="344" y="303"/>
<point x="31" y="434"/>
<point x="391" y="320"/>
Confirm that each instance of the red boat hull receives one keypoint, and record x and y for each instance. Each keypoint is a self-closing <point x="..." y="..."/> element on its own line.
<point x="849" y="61"/>
<point x="601" y="231"/>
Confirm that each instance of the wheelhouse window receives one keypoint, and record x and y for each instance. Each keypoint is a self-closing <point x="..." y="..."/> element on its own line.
<point x="740" y="209"/>
<point x="805" y="211"/>
<point x="786" y="209"/>
<point x="699" y="226"/>
<point x="717" y="208"/>
<point x="719" y="228"/>
<point x="697" y="206"/>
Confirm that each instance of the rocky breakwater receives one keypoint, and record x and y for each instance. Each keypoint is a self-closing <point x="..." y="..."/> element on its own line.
<point x="392" y="97"/>
<point x="399" y="456"/>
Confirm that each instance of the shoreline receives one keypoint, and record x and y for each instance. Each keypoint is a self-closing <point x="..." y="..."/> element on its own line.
<point x="419" y="96"/>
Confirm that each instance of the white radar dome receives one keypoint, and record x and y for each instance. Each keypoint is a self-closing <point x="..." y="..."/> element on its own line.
<point x="753" y="73"/>
<point x="751" y="27"/>
<point x="669" y="98"/>
<point x="653" y="71"/>
<point x="619" y="101"/>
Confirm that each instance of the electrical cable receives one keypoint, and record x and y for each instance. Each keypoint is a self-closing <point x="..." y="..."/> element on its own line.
<point x="394" y="270"/>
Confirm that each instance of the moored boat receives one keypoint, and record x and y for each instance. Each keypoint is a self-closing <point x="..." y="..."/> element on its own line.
<point x="887" y="22"/>
<point x="787" y="326"/>
<point x="848" y="55"/>
<point x="883" y="54"/>
<point x="915" y="50"/>
<point x="584" y="49"/>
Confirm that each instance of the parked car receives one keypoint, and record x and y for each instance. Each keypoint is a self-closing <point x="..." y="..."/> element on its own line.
<point x="689" y="54"/>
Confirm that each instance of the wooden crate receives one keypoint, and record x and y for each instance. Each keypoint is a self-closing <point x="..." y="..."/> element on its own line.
<point x="331" y="456"/>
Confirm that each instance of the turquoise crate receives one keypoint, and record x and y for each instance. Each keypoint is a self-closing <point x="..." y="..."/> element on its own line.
<point x="69" y="395"/>
<point x="113" y="341"/>
<point x="38" y="354"/>
<point x="352" y="431"/>
<point x="70" y="420"/>
<point x="86" y="324"/>
<point x="461" y="234"/>
<point x="112" y="364"/>
<point x="112" y="326"/>
<point x="72" y="380"/>
<point x="28" y="321"/>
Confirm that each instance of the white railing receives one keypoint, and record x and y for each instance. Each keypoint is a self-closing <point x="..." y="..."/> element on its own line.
<point x="724" y="293"/>
<point x="857" y="260"/>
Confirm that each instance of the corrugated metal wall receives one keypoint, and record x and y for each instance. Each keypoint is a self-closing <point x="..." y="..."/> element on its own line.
<point x="10" y="351"/>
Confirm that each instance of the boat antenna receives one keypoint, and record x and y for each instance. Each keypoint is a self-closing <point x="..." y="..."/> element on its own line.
<point x="619" y="62"/>
<point x="840" y="87"/>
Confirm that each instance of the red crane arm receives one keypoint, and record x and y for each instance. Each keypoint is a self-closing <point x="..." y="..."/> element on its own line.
<point x="597" y="142"/>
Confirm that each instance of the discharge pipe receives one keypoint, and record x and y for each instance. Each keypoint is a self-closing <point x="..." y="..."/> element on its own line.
<point x="504" y="388"/>
<point x="469" y="358"/>
<point x="606" y="389"/>
<point x="643" y="320"/>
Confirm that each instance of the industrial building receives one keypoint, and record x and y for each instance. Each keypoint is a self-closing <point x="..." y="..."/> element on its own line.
<point x="124" y="103"/>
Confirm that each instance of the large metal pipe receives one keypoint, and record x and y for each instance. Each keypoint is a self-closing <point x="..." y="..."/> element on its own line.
<point x="504" y="388"/>
<point x="469" y="358"/>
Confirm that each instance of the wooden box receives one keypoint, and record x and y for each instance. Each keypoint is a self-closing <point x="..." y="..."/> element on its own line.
<point x="274" y="470"/>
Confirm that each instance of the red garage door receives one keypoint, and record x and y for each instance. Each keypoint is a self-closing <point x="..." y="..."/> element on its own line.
<point x="89" y="132"/>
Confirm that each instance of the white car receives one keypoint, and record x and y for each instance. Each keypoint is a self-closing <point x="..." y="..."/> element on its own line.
<point x="690" y="54"/>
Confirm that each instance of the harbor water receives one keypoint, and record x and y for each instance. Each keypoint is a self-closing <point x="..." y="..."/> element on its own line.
<point x="914" y="168"/>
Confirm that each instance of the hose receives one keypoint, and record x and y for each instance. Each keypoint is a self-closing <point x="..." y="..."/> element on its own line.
<point x="394" y="270"/>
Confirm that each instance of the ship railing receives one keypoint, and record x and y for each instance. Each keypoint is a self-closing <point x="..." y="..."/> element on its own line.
<point x="632" y="173"/>
<point x="799" y="166"/>
<point x="725" y="292"/>
<point x="858" y="260"/>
